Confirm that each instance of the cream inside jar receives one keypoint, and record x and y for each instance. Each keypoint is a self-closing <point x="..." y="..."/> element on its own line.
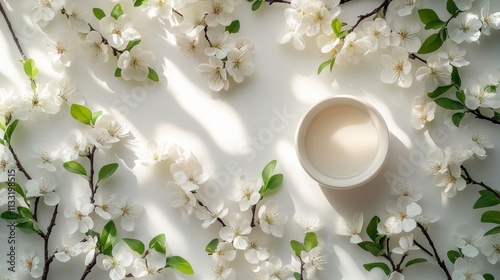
<point x="341" y="141"/>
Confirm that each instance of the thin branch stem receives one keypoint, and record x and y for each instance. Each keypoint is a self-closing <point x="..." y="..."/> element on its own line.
<point x="253" y="223"/>
<point x="382" y="6"/>
<point x="46" y="237"/>
<point x="93" y="189"/>
<point x="398" y="267"/>
<point x="211" y="212"/>
<point x="387" y="257"/>
<point x="18" y="162"/>
<point x="9" y="25"/>
<point x="423" y="248"/>
<point x="278" y="1"/>
<point x="416" y="57"/>
<point x="469" y="180"/>
<point x="89" y="267"/>
<point x="440" y="262"/>
<point x="478" y="115"/>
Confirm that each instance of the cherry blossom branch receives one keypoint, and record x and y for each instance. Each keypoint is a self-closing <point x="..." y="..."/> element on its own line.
<point x="440" y="262"/>
<point x="470" y="180"/>
<point x="423" y="248"/>
<point x="89" y="267"/>
<point x="398" y="267"/>
<point x="478" y="115"/>
<point x="382" y="6"/>
<point x="16" y="40"/>
<point x="393" y="265"/>
<point x="211" y="212"/>
<point x="278" y="1"/>
<point x="93" y="189"/>
<point x="254" y="208"/>
<point x="416" y="57"/>
<point x="46" y="237"/>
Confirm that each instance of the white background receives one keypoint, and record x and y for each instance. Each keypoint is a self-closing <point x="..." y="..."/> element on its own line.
<point x="219" y="128"/>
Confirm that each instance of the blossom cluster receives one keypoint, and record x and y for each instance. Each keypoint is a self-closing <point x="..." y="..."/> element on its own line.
<point x="115" y="36"/>
<point x="246" y="230"/>
<point x="392" y="25"/>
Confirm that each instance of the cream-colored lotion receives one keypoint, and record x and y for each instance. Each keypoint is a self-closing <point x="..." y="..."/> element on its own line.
<point x="341" y="141"/>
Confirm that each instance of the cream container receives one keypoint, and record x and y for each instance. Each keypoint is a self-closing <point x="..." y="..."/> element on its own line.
<point x="342" y="142"/>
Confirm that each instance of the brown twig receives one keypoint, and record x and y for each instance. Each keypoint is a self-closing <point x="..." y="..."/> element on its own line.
<point x="46" y="237"/>
<point x="440" y="262"/>
<point x="416" y="57"/>
<point x="423" y="248"/>
<point x="469" y="180"/>
<point x="93" y="189"/>
<point x="16" y="40"/>
<point x="211" y="212"/>
<point x="383" y="6"/>
<point x="89" y="267"/>
<point x="478" y="115"/>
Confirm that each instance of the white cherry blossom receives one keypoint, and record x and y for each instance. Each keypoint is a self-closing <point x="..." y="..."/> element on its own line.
<point x="194" y="18"/>
<point x="77" y="16"/>
<point x="222" y="272"/>
<point x="105" y="209"/>
<point x="451" y="180"/>
<point x="478" y="95"/>
<point x="405" y="245"/>
<point x="224" y="253"/>
<point x="397" y="68"/>
<point x="74" y="147"/>
<point x="64" y="90"/>
<point x="378" y="33"/>
<point x="221" y="43"/>
<point x="9" y="101"/>
<point x="351" y="227"/>
<point x="44" y="187"/>
<point x="327" y="43"/>
<point x="465" y="27"/>
<point x="210" y="216"/>
<point x="239" y="65"/>
<point x="454" y="54"/>
<point x="468" y="239"/>
<point x="478" y="142"/>
<point x="272" y="221"/>
<point x="463" y="5"/>
<point x="79" y="216"/>
<point x="117" y="263"/>
<point x="309" y="224"/>
<point x="89" y="246"/>
<point x="46" y="158"/>
<point x="220" y="12"/>
<point x="118" y="32"/>
<point x="7" y="163"/>
<point x="45" y="11"/>
<point x="405" y="35"/>
<point x="149" y="266"/>
<point x="181" y="199"/>
<point x="135" y="64"/>
<point x="188" y="172"/>
<point x="30" y="263"/>
<point x="404" y="189"/>
<point x="246" y="192"/>
<point x="68" y="249"/>
<point x="313" y="260"/>
<point x="489" y="20"/>
<point x="273" y="268"/>
<point x="152" y="153"/>
<point x="61" y="49"/>
<point x="95" y="48"/>
<point x="437" y="162"/>
<point x="404" y="211"/>
<point x="35" y="105"/>
<point x="216" y="73"/>
<point x="354" y="49"/>
<point x="257" y="250"/>
<point x="467" y="269"/>
<point x="403" y="7"/>
<point x="490" y="248"/>
<point x="437" y="73"/>
<point x="160" y="8"/>
<point x="423" y="111"/>
<point x="317" y="18"/>
<point x="292" y="32"/>
<point x="126" y="210"/>
<point x="236" y="231"/>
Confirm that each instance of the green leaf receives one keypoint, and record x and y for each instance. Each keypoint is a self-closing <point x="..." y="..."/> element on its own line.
<point x="297" y="247"/>
<point x="451" y="7"/>
<point x="455" y="77"/>
<point x="491" y="88"/>
<point x="439" y="91"/>
<point x="488" y="277"/>
<point x="487" y="199"/>
<point x="297" y="276"/>
<point x="135" y="245"/>
<point x="75" y="167"/>
<point x="371" y="247"/>
<point x="10" y="130"/>
<point x="453" y="255"/>
<point x="98" y="13"/>
<point x="212" y="246"/>
<point x="81" y="113"/>
<point x="95" y="115"/>
<point x="152" y="75"/>
<point x="460" y="94"/>
<point x="158" y="243"/>
<point x="310" y="241"/>
<point x="495" y="230"/>
<point x="383" y="266"/>
<point x="180" y="264"/>
<point x="492" y="216"/>
<point x="431" y="44"/>
<point x="449" y="104"/>
<point x="415" y="261"/>
<point x="118" y="72"/>
<point x="428" y="15"/>
<point x="106" y="171"/>
<point x="117" y="11"/>
<point x="132" y="44"/>
<point x="496" y="115"/>
<point x="371" y="229"/>
<point x="434" y="25"/>
<point x="256" y="5"/>
<point x="30" y="68"/>
<point x="2" y="123"/>
<point x="274" y="182"/>
<point x="25" y="212"/>
<point x="108" y="235"/>
<point x="234" y="27"/>
<point x="139" y="3"/>
<point x="268" y="171"/>
<point x="325" y="64"/>
<point x="443" y="33"/>
<point x="337" y="27"/>
<point x="27" y="227"/>
<point x="457" y="118"/>
<point x="12" y="217"/>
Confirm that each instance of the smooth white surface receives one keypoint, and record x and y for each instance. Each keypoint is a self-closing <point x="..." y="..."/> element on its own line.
<point x="238" y="132"/>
